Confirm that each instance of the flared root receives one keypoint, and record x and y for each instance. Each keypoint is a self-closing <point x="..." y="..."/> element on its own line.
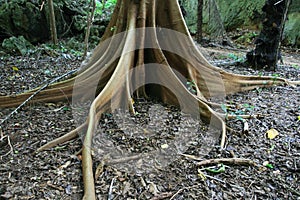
<point x="140" y="34"/>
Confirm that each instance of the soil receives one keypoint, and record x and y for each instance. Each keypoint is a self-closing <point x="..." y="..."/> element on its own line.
<point x="57" y="173"/>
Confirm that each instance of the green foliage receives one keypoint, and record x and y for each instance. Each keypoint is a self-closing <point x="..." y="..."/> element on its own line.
<point x="71" y="47"/>
<point x="275" y="77"/>
<point x="296" y="66"/>
<point x="17" y="45"/>
<point x="236" y="57"/>
<point x="244" y="109"/>
<point x="191" y="86"/>
<point x="218" y="169"/>
<point x="108" y="5"/>
<point x="67" y="48"/>
<point x="247" y="38"/>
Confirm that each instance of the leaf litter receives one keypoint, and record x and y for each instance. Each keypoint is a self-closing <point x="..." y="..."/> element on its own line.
<point x="57" y="174"/>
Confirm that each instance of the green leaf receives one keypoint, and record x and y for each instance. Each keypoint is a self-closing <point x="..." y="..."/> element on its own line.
<point x="224" y="108"/>
<point x="299" y="117"/>
<point x="220" y="169"/>
<point x="66" y="108"/>
<point x="238" y="117"/>
<point x="272" y="133"/>
<point x="14" y="68"/>
<point x="269" y="166"/>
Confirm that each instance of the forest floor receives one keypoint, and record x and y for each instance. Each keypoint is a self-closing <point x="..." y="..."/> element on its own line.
<point x="57" y="173"/>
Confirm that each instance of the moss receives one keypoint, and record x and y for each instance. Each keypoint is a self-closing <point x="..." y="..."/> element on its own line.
<point x="292" y="30"/>
<point x="239" y="13"/>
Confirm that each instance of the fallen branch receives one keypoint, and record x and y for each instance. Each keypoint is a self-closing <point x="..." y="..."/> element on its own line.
<point x="236" y="161"/>
<point x="36" y="92"/>
<point x="110" y="195"/>
<point x="232" y="161"/>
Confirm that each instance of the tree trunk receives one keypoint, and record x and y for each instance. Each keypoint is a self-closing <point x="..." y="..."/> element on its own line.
<point x="146" y="42"/>
<point x="52" y="22"/>
<point x="200" y="21"/>
<point x="90" y="18"/>
<point x="266" y="52"/>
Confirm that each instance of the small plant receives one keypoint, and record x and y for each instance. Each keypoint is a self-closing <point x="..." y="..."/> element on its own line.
<point x="191" y="87"/>
<point x="239" y="112"/>
<point x="296" y="66"/>
<point x="235" y="57"/>
<point x="104" y="5"/>
<point x="275" y="77"/>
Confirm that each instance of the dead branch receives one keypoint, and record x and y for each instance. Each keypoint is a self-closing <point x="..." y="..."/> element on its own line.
<point x="230" y="161"/>
<point x="163" y="195"/>
<point x="35" y="93"/>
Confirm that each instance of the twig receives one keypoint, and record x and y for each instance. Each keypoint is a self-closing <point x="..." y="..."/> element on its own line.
<point x="11" y="147"/>
<point x="185" y="188"/>
<point x="42" y="6"/>
<point x="236" y="161"/>
<point x="192" y="157"/>
<point x="162" y="196"/>
<point x="123" y="160"/>
<point x="110" y="195"/>
<point x="278" y="2"/>
<point x="214" y="178"/>
<point x="35" y="93"/>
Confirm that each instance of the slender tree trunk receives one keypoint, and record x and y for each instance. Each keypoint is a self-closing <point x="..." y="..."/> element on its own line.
<point x="267" y="52"/>
<point x="52" y="22"/>
<point x="283" y="19"/>
<point x="90" y="18"/>
<point x="200" y="20"/>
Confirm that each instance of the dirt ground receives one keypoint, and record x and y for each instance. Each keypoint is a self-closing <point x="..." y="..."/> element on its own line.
<point x="274" y="172"/>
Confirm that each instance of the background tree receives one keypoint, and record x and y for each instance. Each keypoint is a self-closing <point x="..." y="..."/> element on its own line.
<point x="52" y="22"/>
<point x="90" y="18"/>
<point x="267" y="45"/>
<point x="144" y="24"/>
<point x="200" y="21"/>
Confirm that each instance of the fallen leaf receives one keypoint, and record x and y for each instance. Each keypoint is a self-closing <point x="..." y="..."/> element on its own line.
<point x="164" y="146"/>
<point x="272" y="133"/>
<point x="65" y="108"/>
<point x="153" y="188"/>
<point x="219" y="169"/>
<point x="14" y="68"/>
<point x="268" y="165"/>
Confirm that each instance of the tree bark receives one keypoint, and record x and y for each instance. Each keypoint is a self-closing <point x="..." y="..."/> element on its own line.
<point x="200" y="21"/>
<point x="267" y="45"/>
<point x="52" y="22"/>
<point x="90" y="18"/>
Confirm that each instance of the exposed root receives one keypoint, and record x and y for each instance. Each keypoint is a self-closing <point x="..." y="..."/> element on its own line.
<point x="67" y="137"/>
<point x="117" y="71"/>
